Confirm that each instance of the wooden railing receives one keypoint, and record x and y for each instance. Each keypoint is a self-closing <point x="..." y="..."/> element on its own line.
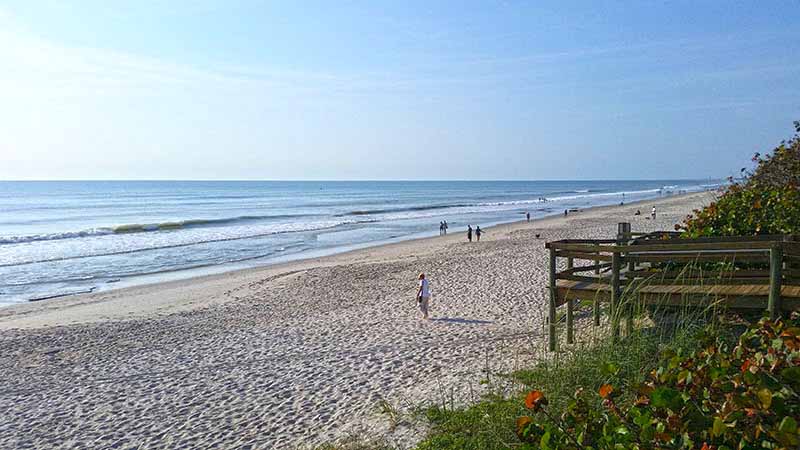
<point x="646" y="264"/>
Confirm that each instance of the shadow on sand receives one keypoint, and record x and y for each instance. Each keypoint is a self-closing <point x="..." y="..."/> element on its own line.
<point x="459" y="320"/>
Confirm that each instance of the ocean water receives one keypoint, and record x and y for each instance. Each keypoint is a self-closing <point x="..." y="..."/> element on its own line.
<point x="59" y="238"/>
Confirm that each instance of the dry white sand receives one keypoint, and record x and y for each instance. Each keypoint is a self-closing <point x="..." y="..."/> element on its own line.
<point x="289" y="355"/>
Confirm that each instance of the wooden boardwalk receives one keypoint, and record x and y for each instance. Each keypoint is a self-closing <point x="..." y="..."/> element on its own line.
<point x="662" y="269"/>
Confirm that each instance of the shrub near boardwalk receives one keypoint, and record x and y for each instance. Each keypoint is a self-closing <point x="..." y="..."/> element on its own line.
<point x="745" y="397"/>
<point x="766" y="202"/>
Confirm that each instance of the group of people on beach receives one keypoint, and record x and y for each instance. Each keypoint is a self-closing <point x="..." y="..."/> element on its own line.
<point x="478" y="233"/>
<point x="652" y="213"/>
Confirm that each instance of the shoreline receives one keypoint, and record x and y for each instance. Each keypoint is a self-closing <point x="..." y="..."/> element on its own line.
<point x="164" y="281"/>
<point x="293" y="355"/>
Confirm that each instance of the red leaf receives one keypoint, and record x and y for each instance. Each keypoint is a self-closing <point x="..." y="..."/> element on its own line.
<point x="745" y="365"/>
<point x="606" y="390"/>
<point x="535" y="400"/>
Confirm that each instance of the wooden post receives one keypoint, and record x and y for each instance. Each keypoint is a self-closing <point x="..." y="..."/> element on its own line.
<point x="596" y="305"/>
<point x="775" y="275"/>
<point x="615" y="295"/>
<point x="623" y="231"/>
<point x="623" y="236"/>
<point x="551" y="312"/>
<point x="570" y="307"/>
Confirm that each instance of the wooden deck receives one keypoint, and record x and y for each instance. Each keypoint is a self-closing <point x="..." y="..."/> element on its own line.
<point x="661" y="268"/>
<point x="741" y="296"/>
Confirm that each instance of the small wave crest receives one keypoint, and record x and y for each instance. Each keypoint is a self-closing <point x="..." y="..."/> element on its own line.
<point x="366" y="212"/>
<point x="136" y="228"/>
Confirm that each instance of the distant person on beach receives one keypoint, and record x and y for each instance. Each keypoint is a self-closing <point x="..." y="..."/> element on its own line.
<point x="637" y="213"/>
<point x="565" y="213"/>
<point x="441" y="228"/>
<point x="528" y="216"/>
<point x="445" y="227"/>
<point x="653" y="213"/>
<point x="478" y="233"/>
<point x="469" y="233"/>
<point x="423" y="296"/>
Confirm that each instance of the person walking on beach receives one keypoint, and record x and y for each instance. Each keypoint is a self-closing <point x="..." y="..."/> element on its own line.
<point x="478" y="233"/>
<point x="653" y="213"/>
<point x="469" y="233"/>
<point x="441" y="228"/>
<point x="528" y="216"/>
<point x="423" y="296"/>
<point x="445" y="227"/>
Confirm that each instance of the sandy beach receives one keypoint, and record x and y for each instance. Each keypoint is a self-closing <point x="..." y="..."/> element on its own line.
<point x="290" y="355"/>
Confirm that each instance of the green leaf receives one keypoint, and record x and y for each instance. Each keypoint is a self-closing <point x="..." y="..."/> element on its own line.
<point x="718" y="428"/>
<point x="788" y="425"/>
<point x="791" y="374"/>
<point x="610" y="369"/>
<point x="544" y="443"/>
<point x="765" y="397"/>
<point x="664" y="397"/>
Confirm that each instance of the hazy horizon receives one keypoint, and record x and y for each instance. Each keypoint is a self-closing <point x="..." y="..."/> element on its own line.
<point x="413" y="91"/>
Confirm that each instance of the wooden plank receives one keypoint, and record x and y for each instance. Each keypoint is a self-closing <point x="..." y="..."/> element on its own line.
<point x="790" y="274"/>
<point x="702" y="281"/>
<point x="716" y="239"/>
<point x="615" y="294"/>
<point x="551" y="313"/>
<point x="757" y="257"/>
<point x="595" y="267"/>
<point x="775" y="268"/>
<point x="666" y="247"/>
<point x="582" y="255"/>
<point x="563" y="276"/>
<point x="691" y="272"/>
<point x="791" y="248"/>
<point x="570" y="306"/>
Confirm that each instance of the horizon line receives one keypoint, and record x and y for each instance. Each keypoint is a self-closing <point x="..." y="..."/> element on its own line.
<point x="311" y="180"/>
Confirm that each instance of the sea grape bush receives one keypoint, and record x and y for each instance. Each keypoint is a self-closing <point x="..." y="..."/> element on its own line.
<point x="767" y="201"/>
<point x="744" y="210"/>
<point x="717" y="398"/>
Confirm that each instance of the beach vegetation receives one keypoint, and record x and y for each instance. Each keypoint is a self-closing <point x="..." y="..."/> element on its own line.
<point x="766" y="200"/>
<point x="705" y="389"/>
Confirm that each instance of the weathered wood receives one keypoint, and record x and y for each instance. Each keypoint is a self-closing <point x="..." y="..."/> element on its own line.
<point x="775" y="290"/>
<point x="597" y="261"/>
<point x="566" y="276"/>
<point x="752" y="303"/>
<point x="551" y="312"/>
<point x="623" y="231"/>
<point x="791" y="274"/>
<point x="570" y="307"/>
<point x="791" y="248"/>
<point x="664" y="246"/>
<point x="589" y="268"/>
<point x="574" y="289"/>
<point x="584" y="255"/>
<point x="775" y="268"/>
<point x="743" y="256"/>
<point x="615" y="294"/>
<point x="690" y="272"/>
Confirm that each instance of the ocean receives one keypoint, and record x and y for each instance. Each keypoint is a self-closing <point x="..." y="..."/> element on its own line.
<point x="65" y="237"/>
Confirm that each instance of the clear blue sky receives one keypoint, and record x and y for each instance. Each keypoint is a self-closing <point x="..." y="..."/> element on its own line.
<point x="148" y="89"/>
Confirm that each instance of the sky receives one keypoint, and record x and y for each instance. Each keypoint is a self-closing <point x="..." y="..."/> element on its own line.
<point x="147" y="89"/>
